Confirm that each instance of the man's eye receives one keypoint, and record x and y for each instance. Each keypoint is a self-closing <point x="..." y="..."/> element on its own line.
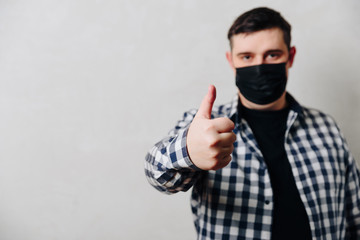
<point x="246" y="58"/>
<point x="273" y="55"/>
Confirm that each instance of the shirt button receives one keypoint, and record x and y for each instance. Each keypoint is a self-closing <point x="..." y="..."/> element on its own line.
<point x="267" y="202"/>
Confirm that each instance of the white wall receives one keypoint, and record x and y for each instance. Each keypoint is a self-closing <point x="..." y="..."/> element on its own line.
<point x="86" y="88"/>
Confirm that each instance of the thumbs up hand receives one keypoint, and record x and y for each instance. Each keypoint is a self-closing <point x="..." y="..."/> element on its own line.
<point x="210" y="141"/>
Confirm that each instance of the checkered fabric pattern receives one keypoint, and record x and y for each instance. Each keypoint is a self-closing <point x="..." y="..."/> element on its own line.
<point x="236" y="202"/>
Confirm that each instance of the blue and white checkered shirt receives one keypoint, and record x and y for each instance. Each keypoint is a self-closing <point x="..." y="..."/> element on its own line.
<point x="236" y="202"/>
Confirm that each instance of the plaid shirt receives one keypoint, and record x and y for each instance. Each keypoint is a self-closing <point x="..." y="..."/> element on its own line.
<point x="236" y="202"/>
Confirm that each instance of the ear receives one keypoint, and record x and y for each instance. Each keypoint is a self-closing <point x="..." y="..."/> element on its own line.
<point x="230" y="60"/>
<point x="292" y="53"/>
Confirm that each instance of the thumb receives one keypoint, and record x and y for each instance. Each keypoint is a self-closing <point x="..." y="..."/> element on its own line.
<point x="207" y="103"/>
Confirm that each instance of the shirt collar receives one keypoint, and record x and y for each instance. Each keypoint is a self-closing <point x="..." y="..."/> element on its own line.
<point x="235" y="113"/>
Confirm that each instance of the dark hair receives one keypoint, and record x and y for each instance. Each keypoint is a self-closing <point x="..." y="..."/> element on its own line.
<point x="260" y="19"/>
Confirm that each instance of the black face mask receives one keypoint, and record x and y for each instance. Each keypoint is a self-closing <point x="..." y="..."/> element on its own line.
<point x="262" y="84"/>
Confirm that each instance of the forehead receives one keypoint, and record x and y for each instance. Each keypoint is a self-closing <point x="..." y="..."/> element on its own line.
<point x="259" y="42"/>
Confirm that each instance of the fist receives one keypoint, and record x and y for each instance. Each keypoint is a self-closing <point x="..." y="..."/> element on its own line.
<point x="210" y="141"/>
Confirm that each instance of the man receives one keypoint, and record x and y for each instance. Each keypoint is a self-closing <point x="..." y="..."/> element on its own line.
<point x="262" y="166"/>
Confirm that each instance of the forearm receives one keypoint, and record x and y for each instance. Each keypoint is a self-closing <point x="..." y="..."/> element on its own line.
<point x="168" y="167"/>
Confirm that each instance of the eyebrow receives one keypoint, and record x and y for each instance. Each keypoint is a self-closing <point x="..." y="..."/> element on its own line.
<point x="243" y="53"/>
<point x="267" y="52"/>
<point x="274" y="51"/>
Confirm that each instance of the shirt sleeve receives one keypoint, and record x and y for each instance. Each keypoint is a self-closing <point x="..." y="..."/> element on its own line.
<point x="168" y="167"/>
<point x="352" y="200"/>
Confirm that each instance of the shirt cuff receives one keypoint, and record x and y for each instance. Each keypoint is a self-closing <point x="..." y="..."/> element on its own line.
<point x="179" y="155"/>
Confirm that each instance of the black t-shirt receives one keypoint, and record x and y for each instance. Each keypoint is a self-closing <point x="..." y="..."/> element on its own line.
<point x="290" y="220"/>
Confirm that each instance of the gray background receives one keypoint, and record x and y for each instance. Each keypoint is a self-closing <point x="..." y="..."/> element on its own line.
<point x="87" y="87"/>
